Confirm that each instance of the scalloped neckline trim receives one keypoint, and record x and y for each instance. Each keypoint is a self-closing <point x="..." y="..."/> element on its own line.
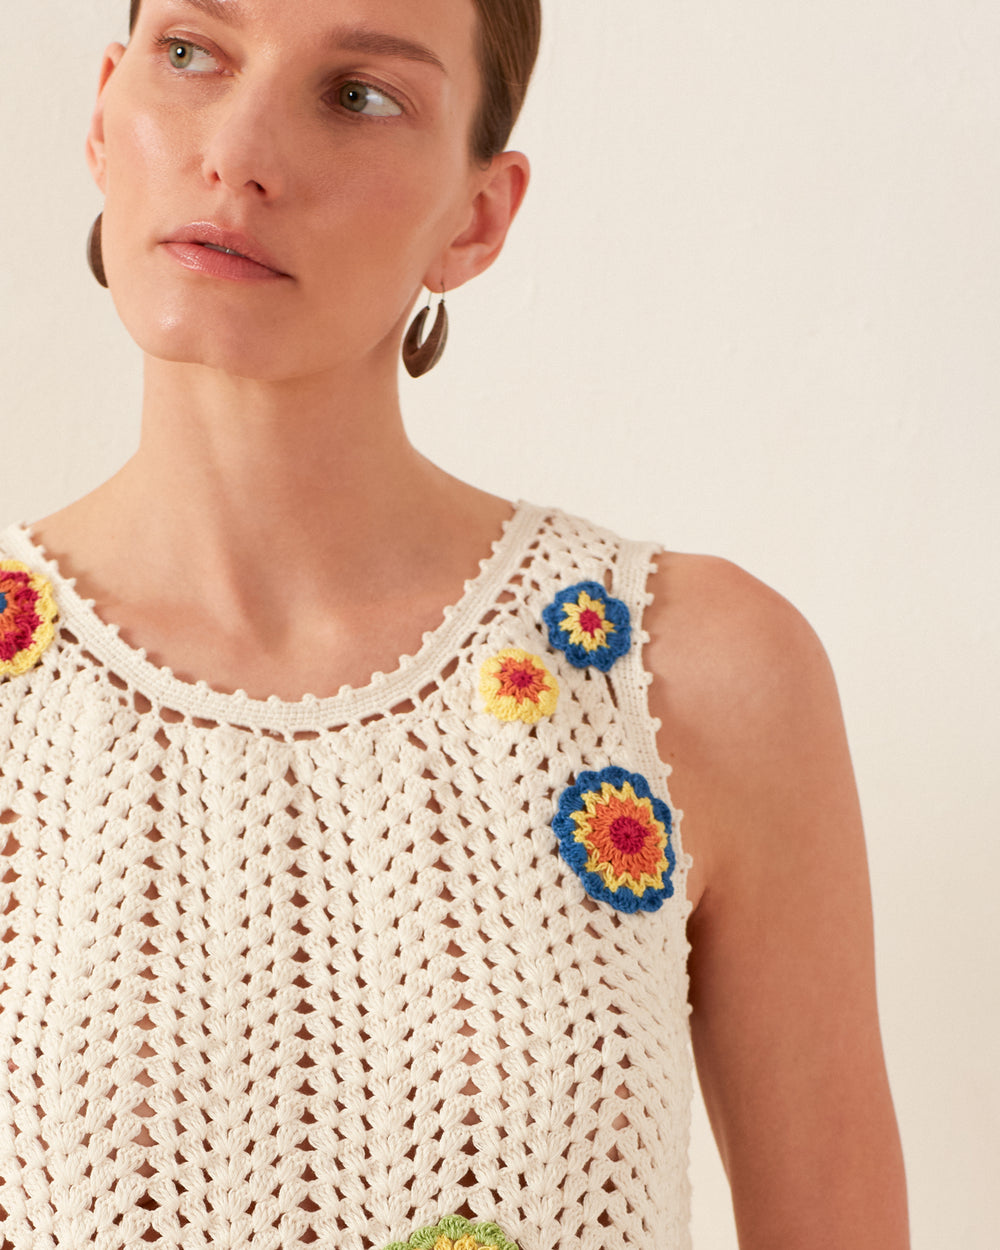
<point x="310" y="713"/>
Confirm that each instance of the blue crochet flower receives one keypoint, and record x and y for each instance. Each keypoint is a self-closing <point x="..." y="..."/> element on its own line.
<point x="616" y="836"/>
<point x="589" y="625"/>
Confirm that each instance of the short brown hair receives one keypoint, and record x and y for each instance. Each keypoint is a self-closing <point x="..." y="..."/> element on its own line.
<point x="509" y="33"/>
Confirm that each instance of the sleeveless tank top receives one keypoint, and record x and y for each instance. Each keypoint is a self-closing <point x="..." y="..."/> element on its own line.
<point x="405" y="966"/>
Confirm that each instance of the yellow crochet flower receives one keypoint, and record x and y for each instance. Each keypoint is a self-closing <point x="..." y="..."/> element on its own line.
<point x="517" y="686"/>
<point x="27" y="618"/>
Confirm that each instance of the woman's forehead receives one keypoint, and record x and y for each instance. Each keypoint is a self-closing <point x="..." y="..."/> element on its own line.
<point x="441" y="18"/>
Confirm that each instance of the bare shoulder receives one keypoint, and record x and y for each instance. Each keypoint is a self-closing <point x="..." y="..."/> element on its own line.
<point x="784" y="1015"/>
<point x="749" y="706"/>
<point x="714" y="623"/>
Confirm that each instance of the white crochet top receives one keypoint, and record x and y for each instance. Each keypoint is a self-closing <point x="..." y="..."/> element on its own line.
<point x="281" y="975"/>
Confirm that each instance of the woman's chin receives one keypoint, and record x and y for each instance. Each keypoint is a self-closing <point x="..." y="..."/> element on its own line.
<point x="255" y="357"/>
<point x="254" y="344"/>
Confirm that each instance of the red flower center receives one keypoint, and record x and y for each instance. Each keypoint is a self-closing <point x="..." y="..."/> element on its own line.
<point x="591" y="621"/>
<point x="628" y="834"/>
<point x="20" y="620"/>
<point x="521" y="678"/>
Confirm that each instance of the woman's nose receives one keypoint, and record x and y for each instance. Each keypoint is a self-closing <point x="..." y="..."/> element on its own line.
<point x="246" y="143"/>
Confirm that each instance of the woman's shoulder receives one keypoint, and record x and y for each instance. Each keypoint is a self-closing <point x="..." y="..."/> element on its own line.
<point x="726" y="627"/>
<point x="749" y="711"/>
<point x="719" y="637"/>
<point x="781" y="960"/>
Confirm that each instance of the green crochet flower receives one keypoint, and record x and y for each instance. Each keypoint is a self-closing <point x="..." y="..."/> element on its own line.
<point x="456" y="1233"/>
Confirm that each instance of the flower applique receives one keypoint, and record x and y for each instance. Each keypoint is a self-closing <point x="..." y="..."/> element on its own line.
<point x="27" y="618"/>
<point x="616" y="836"/>
<point x="590" y="626"/>
<point x="456" y="1233"/>
<point x="517" y="686"/>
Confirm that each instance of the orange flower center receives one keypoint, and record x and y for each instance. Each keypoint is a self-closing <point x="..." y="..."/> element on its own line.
<point x="521" y="680"/>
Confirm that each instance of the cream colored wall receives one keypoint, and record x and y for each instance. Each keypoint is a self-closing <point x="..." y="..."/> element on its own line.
<point x="752" y="307"/>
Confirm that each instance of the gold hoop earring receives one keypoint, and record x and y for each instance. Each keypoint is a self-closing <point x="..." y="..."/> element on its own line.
<point x="95" y="253"/>
<point x="418" y="357"/>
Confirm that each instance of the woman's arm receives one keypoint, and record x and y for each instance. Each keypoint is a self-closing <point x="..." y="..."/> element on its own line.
<point x="784" y="1021"/>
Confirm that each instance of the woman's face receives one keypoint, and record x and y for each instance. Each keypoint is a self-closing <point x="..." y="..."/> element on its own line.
<point x="331" y="135"/>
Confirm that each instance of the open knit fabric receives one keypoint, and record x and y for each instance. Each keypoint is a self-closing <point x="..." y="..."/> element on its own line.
<point x="316" y="974"/>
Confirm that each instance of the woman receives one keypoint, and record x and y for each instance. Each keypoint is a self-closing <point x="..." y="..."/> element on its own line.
<point x="297" y="953"/>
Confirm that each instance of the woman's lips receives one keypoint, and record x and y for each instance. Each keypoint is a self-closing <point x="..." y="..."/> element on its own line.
<point x="222" y="253"/>
<point x="207" y="259"/>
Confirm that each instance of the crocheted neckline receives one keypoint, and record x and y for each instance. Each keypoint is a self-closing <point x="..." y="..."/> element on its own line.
<point x="380" y="695"/>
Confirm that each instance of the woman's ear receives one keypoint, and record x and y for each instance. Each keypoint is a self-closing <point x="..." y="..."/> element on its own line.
<point x="95" y="135"/>
<point x="502" y="188"/>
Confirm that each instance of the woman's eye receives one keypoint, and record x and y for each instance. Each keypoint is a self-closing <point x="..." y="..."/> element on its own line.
<point x="360" y="97"/>
<point x="183" y="54"/>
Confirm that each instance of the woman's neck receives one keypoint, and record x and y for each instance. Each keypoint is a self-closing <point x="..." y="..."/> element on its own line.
<point x="280" y="512"/>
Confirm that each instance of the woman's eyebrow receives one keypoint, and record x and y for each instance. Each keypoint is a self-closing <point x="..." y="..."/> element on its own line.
<point x="377" y="43"/>
<point x="350" y="39"/>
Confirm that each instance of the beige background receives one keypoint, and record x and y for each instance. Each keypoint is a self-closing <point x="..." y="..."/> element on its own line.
<point x="751" y="307"/>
